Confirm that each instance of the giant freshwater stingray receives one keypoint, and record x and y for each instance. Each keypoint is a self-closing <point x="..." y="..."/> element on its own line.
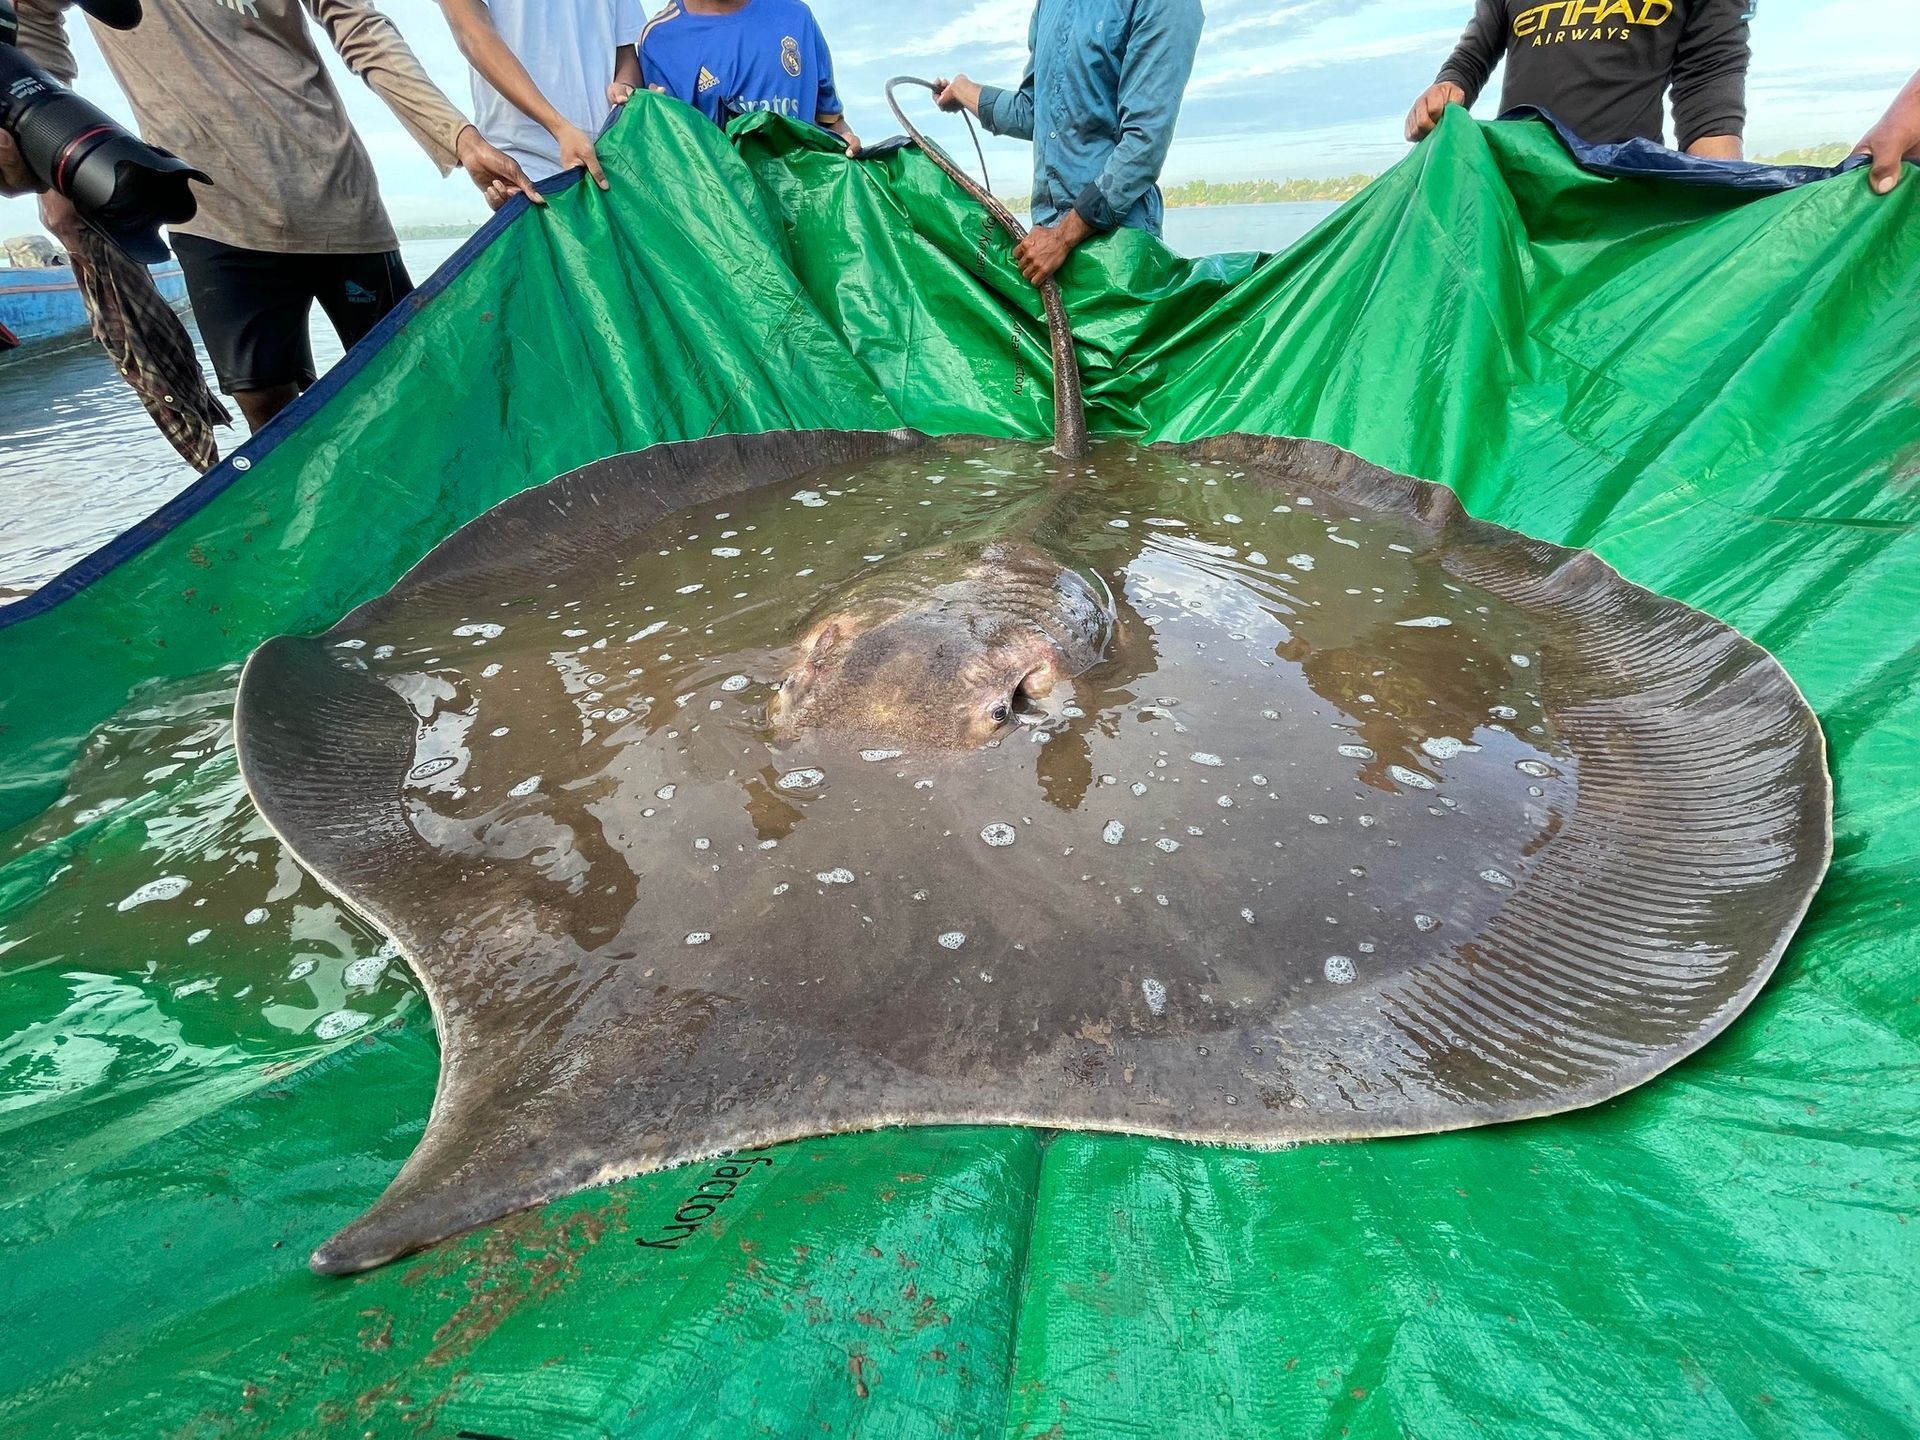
<point x="1186" y="840"/>
<point x="759" y="787"/>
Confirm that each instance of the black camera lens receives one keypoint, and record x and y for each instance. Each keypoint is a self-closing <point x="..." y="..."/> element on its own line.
<point x="122" y="186"/>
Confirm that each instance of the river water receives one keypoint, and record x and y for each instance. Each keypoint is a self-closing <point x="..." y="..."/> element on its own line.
<point x="1278" y="668"/>
<point x="80" y="461"/>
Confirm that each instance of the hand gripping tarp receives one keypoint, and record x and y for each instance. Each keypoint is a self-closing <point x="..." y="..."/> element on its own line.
<point x="1716" y="391"/>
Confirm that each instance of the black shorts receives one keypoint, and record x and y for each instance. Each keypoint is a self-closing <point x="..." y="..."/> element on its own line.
<point x="252" y="306"/>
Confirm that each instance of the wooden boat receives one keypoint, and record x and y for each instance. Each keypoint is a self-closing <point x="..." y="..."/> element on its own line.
<point x="45" y="303"/>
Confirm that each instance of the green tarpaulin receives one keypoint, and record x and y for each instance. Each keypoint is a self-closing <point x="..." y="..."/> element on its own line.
<point x="1718" y="393"/>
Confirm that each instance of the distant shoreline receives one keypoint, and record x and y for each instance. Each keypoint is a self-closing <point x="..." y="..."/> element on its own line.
<point x="455" y="230"/>
<point x="1203" y="194"/>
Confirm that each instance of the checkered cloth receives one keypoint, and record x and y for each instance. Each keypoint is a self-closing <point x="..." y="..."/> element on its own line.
<point x="150" y="347"/>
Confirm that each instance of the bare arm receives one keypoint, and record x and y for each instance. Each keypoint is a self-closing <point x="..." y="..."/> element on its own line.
<point x="838" y="126"/>
<point x="15" y="177"/>
<point x="1894" y="139"/>
<point x="481" y="45"/>
<point x="626" y="75"/>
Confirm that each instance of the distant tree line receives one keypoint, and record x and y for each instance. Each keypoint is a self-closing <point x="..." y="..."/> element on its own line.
<point x="1242" y="192"/>
<point x="1345" y="187"/>
<point x="1832" y="153"/>
<point x="1265" y="192"/>
<point x="459" y="230"/>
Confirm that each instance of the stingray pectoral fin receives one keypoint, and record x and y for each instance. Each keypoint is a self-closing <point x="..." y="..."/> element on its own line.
<point x="484" y="1156"/>
<point x="563" y="1069"/>
<point x="539" y="1096"/>
<point x="324" y="751"/>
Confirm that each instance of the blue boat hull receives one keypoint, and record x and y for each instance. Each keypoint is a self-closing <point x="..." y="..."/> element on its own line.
<point x="43" y="304"/>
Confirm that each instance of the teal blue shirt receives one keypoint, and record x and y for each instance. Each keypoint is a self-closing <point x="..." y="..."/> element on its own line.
<point x="1099" y="100"/>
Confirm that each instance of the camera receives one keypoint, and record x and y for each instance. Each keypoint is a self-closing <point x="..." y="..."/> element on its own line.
<point x="123" y="187"/>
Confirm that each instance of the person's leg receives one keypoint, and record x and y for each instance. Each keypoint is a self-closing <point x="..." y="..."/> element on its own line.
<point x="260" y="405"/>
<point x="357" y="291"/>
<point x="251" y="307"/>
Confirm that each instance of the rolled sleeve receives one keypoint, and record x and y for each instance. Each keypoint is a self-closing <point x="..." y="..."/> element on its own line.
<point x="1153" y="79"/>
<point x="43" y="38"/>
<point x="1092" y="205"/>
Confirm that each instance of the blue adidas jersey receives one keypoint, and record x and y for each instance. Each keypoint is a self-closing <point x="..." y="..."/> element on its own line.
<point x="767" y="55"/>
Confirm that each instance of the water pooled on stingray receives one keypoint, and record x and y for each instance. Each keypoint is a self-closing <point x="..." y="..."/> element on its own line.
<point x="1270" y="761"/>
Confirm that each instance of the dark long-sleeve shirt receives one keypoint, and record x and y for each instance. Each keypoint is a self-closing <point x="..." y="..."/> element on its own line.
<point x="1604" y="66"/>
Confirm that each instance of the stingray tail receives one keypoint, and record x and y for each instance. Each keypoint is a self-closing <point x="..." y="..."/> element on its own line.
<point x="1069" y="402"/>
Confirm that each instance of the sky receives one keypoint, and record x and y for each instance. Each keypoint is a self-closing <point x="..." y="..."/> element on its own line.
<point x="1281" y="88"/>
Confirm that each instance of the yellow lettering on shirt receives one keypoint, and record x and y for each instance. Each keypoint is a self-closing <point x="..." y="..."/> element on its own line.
<point x="1558" y="21"/>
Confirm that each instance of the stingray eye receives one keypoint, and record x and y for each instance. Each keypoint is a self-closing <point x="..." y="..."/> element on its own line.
<point x="1000" y="712"/>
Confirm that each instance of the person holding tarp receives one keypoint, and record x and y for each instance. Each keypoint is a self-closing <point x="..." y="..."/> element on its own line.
<point x="130" y="318"/>
<point x="1894" y="139"/>
<point x="731" y="57"/>
<point x="1603" y="68"/>
<point x="294" y="213"/>
<point x="543" y="77"/>
<point x="1099" y="99"/>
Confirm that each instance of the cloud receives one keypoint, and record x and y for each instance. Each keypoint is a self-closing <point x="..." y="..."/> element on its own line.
<point x="1280" y="87"/>
<point x="1433" y="45"/>
<point x="1229" y="21"/>
<point x="998" y="24"/>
